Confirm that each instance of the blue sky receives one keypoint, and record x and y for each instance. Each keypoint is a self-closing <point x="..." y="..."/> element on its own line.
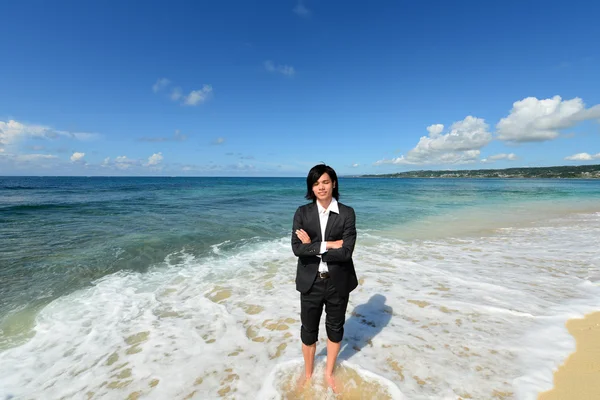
<point x="269" y="88"/>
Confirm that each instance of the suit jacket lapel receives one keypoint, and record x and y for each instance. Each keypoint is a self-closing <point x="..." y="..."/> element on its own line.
<point x="332" y="217"/>
<point x="314" y="215"/>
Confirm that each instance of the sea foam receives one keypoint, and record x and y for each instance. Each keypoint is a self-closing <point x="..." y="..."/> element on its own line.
<point x="475" y="315"/>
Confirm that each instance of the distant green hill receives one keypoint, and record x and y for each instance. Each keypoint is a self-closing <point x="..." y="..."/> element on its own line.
<point x="561" y="172"/>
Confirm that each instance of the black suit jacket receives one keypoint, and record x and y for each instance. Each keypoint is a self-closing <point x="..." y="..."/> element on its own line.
<point x="339" y="261"/>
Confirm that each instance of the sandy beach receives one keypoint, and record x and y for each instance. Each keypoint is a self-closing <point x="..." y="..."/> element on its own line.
<point x="579" y="377"/>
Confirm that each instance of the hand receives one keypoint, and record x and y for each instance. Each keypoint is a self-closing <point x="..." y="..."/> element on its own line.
<point x="335" y="245"/>
<point x="303" y="236"/>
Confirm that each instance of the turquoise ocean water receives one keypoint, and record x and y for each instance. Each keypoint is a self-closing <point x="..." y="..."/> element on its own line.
<point x="177" y="286"/>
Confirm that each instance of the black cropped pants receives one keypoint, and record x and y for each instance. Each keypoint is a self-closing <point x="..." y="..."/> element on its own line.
<point x="322" y="293"/>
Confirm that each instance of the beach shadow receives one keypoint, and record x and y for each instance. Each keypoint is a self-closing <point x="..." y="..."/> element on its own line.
<point x="365" y="322"/>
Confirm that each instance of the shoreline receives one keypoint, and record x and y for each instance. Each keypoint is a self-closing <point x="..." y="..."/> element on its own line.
<point x="577" y="377"/>
<point x="466" y="177"/>
<point x="479" y="221"/>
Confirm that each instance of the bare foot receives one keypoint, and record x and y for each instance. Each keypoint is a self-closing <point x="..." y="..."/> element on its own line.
<point x="303" y="381"/>
<point x="331" y="383"/>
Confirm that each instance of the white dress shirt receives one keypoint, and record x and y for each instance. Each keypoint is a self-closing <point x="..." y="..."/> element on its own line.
<point x="323" y="218"/>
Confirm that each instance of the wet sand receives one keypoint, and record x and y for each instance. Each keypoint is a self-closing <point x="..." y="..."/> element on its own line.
<point x="579" y="377"/>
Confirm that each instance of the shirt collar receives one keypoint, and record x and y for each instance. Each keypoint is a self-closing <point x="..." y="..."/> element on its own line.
<point x="333" y="206"/>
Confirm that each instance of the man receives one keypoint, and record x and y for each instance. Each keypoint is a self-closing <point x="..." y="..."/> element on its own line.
<point x="323" y="239"/>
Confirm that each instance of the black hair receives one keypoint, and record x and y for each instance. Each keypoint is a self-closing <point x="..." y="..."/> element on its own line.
<point x="313" y="176"/>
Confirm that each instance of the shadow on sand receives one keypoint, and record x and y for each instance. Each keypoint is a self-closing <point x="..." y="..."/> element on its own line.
<point x="366" y="321"/>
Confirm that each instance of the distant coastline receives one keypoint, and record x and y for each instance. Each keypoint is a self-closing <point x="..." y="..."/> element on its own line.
<point x="558" y="172"/>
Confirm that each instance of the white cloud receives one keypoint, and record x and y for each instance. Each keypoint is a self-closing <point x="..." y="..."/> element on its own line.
<point x="240" y="166"/>
<point x="504" y="156"/>
<point x="154" y="159"/>
<point x="583" y="157"/>
<point x="218" y="141"/>
<point x="455" y="157"/>
<point x="355" y="165"/>
<point x="301" y="9"/>
<point x="34" y="157"/>
<point x="469" y="134"/>
<point x="533" y="120"/>
<point x="12" y="131"/>
<point x="198" y="96"/>
<point x="28" y="160"/>
<point x="125" y="163"/>
<point x="459" y="146"/>
<point x="435" y="130"/>
<point x="194" y="97"/>
<point x="286" y="70"/>
<point x="77" y="157"/>
<point x="501" y="156"/>
<point x="160" y="84"/>
<point x="212" y="168"/>
<point x="177" y="137"/>
<point x="176" y="94"/>
<point x="122" y="162"/>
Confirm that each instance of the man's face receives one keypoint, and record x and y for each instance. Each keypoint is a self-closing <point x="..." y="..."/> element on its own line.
<point x="323" y="188"/>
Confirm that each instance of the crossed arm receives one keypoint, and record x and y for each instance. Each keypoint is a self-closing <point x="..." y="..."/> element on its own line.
<point x="335" y="251"/>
